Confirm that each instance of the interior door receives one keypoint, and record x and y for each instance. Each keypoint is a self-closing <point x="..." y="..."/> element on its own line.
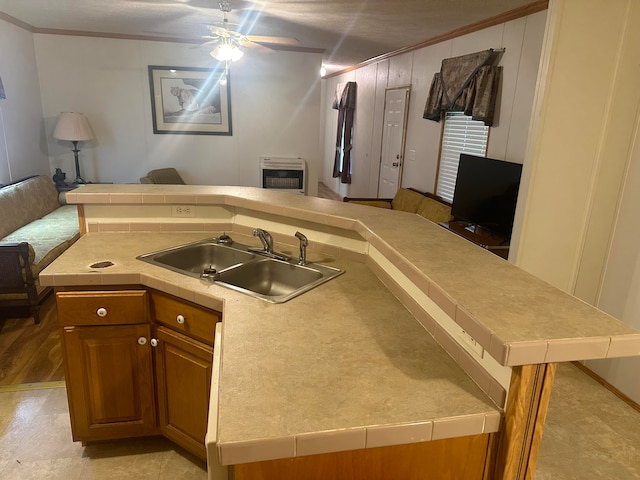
<point x="396" y="108"/>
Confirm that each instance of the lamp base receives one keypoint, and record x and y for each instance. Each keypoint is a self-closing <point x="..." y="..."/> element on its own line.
<point x="78" y="180"/>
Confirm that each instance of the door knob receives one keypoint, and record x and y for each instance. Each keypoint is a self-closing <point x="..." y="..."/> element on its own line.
<point x="154" y="342"/>
<point x="142" y="341"/>
<point x="395" y="164"/>
<point x="398" y="156"/>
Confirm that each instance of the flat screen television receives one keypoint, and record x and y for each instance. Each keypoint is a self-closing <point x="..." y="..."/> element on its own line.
<point x="486" y="193"/>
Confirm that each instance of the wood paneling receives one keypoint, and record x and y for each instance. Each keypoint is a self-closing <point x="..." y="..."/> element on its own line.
<point x="455" y="458"/>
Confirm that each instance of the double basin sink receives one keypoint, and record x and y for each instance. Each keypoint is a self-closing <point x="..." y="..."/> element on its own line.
<point x="241" y="268"/>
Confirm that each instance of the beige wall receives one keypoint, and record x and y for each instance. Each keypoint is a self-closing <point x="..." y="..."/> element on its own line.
<point x="579" y="232"/>
<point x="274" y="99"/>
<point x="522" y="39"/>
<point x="620" y="293"/>
<point x="23" y="149"/>
<point x="579" y="147"/>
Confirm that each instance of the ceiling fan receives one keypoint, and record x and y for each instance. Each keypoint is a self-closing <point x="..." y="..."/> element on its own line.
<point x="228" y="41"/>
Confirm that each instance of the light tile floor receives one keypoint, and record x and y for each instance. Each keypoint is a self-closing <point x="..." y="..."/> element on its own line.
<point x="35" y="443"/>
<point x="590" y="434"/>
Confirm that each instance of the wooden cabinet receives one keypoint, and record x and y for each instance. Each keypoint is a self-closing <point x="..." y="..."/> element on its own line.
<point x="137" y="364"/>
<point x="183" y="379"/>
<point x="109" y="382"/>
<point x="184" y="355"/>
<point x="108" y="364"/>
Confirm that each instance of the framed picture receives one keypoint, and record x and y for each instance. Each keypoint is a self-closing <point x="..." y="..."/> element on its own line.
<point x="194" y="101"/>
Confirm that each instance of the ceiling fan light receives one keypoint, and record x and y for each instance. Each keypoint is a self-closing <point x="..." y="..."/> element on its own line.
<point x="236" y="54"/>
<point x="226" y="52"/>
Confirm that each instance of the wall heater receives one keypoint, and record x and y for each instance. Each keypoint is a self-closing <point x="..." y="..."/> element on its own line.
<point x="283" y="174"/>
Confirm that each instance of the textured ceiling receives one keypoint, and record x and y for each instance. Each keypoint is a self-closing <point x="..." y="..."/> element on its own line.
<point x="349" y="32"/>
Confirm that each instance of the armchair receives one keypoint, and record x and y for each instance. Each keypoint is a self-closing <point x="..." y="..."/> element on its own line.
<point x="167" y="176"/>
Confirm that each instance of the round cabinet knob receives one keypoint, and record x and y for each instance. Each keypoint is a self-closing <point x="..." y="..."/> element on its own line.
<point x="142" y="341"/>
<point x="101" y="312"/>
<point x="154" y="342"/>
<point x="180" y="319"/>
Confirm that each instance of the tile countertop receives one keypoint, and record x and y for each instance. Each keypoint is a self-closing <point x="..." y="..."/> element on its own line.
<point x="341" y="367"/>
<point x="345" y="366"/>
<point x="518" y="318"/>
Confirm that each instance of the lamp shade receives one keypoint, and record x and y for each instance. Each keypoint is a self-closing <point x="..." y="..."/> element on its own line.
<point x="73" y="126"/>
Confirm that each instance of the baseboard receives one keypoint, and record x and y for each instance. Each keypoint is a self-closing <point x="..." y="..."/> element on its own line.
<point x="629" y="401"/>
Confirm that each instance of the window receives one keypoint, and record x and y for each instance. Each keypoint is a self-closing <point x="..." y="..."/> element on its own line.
<point x="460" y="135"/>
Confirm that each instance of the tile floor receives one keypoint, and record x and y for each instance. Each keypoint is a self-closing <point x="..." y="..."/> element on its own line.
<point x="35" y="443"/>
<point x="590" y="434"/>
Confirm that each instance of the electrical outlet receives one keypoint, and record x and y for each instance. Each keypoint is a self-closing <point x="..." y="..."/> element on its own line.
<point x="185" y="211"/>
<point x="470" y="342"/>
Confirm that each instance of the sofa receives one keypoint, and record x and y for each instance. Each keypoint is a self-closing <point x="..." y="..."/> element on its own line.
<point x="427" y="205"/>
<point x="36" y="228"/>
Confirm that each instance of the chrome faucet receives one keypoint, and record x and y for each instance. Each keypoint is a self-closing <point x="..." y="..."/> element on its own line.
<point x="267" y="245"/>
<point x="303" y="248"/>
<point x="266" y="239"/>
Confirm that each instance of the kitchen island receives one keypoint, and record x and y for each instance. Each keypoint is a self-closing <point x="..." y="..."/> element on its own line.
<point x="352" y="366"/>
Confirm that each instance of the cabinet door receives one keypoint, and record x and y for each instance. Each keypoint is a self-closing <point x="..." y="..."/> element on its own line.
<point x="109" y="381"/>
<point x="183" y="378"/>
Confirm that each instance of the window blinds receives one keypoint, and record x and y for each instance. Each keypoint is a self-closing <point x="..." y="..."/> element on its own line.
<point x="461" y="135"/>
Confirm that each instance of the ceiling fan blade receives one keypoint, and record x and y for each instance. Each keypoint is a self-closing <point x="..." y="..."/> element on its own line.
<point x="273" y="40"/>
<point x="210" y="42"/>
<point x="264" y="48"/>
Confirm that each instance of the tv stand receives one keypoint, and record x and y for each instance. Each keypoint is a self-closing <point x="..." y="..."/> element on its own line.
<point x="495" y="243"/>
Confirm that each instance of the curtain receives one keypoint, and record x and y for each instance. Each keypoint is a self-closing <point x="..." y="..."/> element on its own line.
<point x="467" y="83"/>
<point x="346" y="106"/>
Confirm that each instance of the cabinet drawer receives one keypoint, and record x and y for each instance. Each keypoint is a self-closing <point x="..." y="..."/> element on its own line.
<point x="184" y="317"/>
<point x="125" y="307"/>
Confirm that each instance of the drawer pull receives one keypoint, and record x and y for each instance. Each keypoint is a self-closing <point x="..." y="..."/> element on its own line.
<point x="101" y="312"/>
<point x="180" y="319"/>
<point x="154" y="342"/>
<point x="142" y="341"/>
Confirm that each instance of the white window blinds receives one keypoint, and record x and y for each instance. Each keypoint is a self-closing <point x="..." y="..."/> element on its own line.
<point x="461" y="135"/>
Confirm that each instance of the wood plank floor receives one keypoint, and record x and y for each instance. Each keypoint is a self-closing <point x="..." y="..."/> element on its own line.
<point x="326" y="192"/>
<point x="30" y="353"/>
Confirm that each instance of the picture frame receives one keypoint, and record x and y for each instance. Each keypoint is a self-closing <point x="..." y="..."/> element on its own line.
<point x="190" y="100"/>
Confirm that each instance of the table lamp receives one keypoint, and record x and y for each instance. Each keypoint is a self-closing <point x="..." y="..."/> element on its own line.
<point x="74" y="127"/>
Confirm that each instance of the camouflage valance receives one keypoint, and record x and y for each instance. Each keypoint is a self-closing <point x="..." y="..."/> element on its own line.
<point x="468" y="83"/>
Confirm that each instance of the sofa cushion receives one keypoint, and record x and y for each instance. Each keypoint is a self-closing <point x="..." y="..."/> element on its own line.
<point x="26" y="201"/>
<point x="49" y="236"/>
<point x="372" y="203"/>
<point x="433" y="210"/>
<point x="406" y="200"/>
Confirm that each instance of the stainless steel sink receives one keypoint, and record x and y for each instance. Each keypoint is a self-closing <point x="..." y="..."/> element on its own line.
<point x="193" y="259"/>
<point x="275" y="280"/>
<point x="233" y="266"/>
